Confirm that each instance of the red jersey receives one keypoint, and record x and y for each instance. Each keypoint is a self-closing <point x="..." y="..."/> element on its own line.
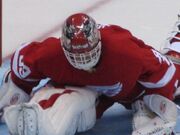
<point x="127" y="66"/>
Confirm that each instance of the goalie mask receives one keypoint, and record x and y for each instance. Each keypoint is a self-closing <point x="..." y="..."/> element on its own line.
<point x="81" y="41"/>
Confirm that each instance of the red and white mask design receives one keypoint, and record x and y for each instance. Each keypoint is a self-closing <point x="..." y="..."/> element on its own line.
<point x="81" y="41"/>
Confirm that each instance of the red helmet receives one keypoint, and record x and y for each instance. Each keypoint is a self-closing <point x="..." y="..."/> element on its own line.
<point x="81" y="41"/>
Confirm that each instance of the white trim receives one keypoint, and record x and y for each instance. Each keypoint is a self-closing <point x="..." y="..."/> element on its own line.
<point x="108" y="90"/>
<point x="175" y="47"/>
<point x="16" y="59"/>
<point x="15" y="63"/>
<point x="164" y="80"/>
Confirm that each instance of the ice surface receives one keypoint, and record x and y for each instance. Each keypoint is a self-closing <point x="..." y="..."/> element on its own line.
<point x="24" y="21"/>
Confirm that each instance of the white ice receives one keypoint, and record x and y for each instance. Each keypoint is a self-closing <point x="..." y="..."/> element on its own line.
<point x="29" y="20"/>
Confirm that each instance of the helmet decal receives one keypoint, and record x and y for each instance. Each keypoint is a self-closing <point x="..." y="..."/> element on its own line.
<point x="81" y="41"/>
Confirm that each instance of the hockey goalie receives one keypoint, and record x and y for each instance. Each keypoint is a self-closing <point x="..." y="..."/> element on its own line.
<point x="103" y="64"/>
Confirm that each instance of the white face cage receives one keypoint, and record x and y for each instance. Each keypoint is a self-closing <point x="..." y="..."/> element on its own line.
<point x="84" y="61"/>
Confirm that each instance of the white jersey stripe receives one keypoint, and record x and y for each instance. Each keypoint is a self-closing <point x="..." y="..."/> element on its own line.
<point x="15" y="64"/>
<point x="163" y="81"/>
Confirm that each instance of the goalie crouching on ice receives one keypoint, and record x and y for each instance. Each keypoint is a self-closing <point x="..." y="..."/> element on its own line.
<point x="104" y="64"/>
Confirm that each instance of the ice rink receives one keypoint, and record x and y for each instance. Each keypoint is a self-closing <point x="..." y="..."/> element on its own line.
<point x="29" y="20"/>
<point x="35" y="20"/>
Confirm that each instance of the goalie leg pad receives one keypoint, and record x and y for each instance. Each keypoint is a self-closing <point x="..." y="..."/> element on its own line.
<point x="27" y="121"/>
<point x="10" y="94"/>
<point x="10" y="116"/>
<point x="142" y="115"/>
<point x="87" y="119"/>
<point x="21" y="119"/>
<point x="163" y="107"/>
<point x="156" y="126"/>
<point x="69" y="113"/>
<point x="165" y="118"/>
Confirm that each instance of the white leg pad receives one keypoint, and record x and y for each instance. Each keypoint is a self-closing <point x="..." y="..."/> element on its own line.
<point x="13" y="95"/>
<point x="163" y="107"/>
<point x="142" y="115"/>
<point x="87" y="119"/>
<point x="71" y="112"/>
<point x="10" y="94"/>
<point x="27" y="122"/>
<point x="155" y="126"/>
<point x="27" y="119"/>
<point x="165" y="118"/>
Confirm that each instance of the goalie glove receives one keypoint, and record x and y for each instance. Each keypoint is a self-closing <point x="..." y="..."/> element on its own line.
<point x="164" y="121"/>
<point x="10" y="94"/>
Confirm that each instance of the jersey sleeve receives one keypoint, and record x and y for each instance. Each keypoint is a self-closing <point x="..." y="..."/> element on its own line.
<point x="141" y="63"/>
<point x="26" y="72"/>
<point x="158" y="74"/>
